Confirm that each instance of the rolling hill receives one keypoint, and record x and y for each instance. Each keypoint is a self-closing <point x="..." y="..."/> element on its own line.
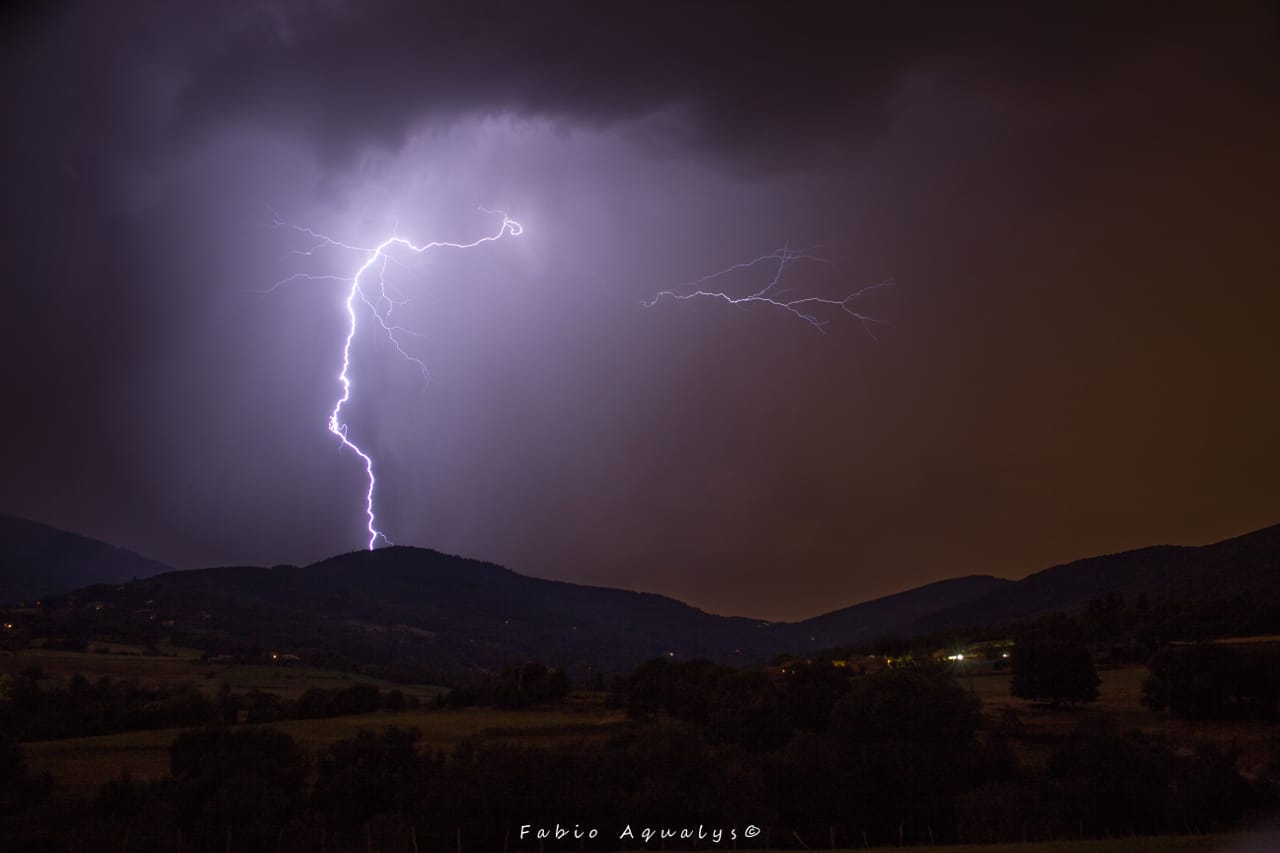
<point x="417" y="613"/>
<point x="890" y="616"/>
<point x="1242" y="565"/>
<point x="37" y="560"/>
<point x="418" y="608"/>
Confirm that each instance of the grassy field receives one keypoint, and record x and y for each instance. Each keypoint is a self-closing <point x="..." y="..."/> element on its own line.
<point x="125" y="662"/>
<point x="1119" y="699"/>
<point x="82" y="765"/>
<point x="176" y="665"/>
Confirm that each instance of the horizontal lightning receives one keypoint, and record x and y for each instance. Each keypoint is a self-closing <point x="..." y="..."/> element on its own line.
<point x="804" y="308"/>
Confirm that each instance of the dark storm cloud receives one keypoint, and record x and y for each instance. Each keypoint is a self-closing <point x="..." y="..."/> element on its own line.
<point x="771" y="83"/>
<point x="1078" y="204"/>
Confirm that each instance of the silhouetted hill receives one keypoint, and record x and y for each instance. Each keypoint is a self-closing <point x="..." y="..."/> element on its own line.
<point x="1244" y="565"/>
<point x="409" y="608"/>
<point x="419" y="614"/>
<point x="890" y="616"/>
<point x="38" y="560"/>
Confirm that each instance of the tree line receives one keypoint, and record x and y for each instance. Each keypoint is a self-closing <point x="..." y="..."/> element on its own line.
<point x="812" y="758"/>
<point x="31" y="711"/>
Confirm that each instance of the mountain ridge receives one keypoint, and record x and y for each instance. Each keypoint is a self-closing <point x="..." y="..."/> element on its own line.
<point x="1241" y="564"/>
<point x="37" y="559"/>
<point x="422" y="610"/>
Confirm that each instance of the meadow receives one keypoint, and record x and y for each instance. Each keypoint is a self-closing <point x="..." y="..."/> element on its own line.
<point x="175" y="665"/>
<point x="1119" y="702"/>
<point x="80" y="766"/>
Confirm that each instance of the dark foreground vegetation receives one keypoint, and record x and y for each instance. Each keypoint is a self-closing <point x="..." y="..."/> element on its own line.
<point x="883" y="744"/>
<point x="32" y="711"/>
<point x="811" y="754"/>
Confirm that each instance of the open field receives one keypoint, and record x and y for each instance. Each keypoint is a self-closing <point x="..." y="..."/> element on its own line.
<point x="82" y="765"/>
<point x="176" y="665"/>
<point x="1121" y="687"/>
<point x="1119" y="699"/>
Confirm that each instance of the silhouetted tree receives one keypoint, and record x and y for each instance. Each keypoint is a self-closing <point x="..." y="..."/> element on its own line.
<point x="251" y="782"/>
<point x="1053" y="669"/>
<point x="687" y="690"/>
<point x="18" y="787"/>
<point x="810" y="691"/>
<point x="1113" y="783"/>
<point x="747" y="711"/>
<point x="1212" y="681"/>
<point x="905" y="742"/>
<point x="370" y="775"/>
<point x="530" y="684"/>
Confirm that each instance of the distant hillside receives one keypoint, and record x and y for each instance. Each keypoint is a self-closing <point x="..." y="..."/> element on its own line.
<point x="891" y="616"/>
<point x="1244" y="565"/>
<point x="410" y="608"/>
<point x="416" y="613"/>
<point x="38" y="560"/>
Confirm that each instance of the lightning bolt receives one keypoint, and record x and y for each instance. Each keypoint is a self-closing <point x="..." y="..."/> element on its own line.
<point x="381" y="305"/>
<point x="803" y="308"/>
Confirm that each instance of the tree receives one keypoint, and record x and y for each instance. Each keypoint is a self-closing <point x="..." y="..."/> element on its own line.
<point x="810" y="691"/>
<point x="530" y="684"/>
<point x="1105" y="781"/>
<point x="250" y="782"/>
<point x="902" y="745"/>
<point x="748" y="711"/>
<point x="369" y="775"/>
<point x="1212" y="681"/>
<point x="919" y="705"/>
<point x="18" y="787"/>
<point x="684" y="690"/>
<point x="1053" y="669"/>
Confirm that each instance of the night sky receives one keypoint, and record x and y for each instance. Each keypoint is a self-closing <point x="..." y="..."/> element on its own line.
<point x="1081" y="210"/>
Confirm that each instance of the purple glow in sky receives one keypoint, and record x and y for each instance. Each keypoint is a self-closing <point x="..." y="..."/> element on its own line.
<point x="381" y="306"/>
<point x="1078" y="203"/>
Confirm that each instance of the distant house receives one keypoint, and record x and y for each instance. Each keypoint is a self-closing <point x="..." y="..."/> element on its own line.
<point x="990" y="656"/>
<point x="868" y="664"/>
